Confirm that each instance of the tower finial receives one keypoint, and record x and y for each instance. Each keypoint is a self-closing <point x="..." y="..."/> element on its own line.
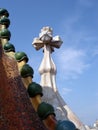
<point x="45" y="37"/>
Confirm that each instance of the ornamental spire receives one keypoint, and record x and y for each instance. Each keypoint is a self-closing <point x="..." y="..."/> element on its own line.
<point x="47" y="71"/>
<point x="47" y="68"/>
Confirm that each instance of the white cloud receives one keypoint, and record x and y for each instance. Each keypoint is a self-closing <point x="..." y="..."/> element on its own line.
<point x="77" y="47"/>
<point x="87" y="3"/>
<point x="64" y="91"/>
<point x="75" y="28"/>
<point x="96" y="94"/>
<point x="95" y="51"/>
<point x="71" y="62"/>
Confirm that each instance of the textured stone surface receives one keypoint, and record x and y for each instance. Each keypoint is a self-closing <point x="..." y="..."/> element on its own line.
<point x="16" y="112"/>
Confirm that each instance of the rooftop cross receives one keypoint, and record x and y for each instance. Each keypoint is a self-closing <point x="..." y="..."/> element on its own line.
<point x="46" y="38"/>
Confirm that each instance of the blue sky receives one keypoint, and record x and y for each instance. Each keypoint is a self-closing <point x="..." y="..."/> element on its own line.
<point x="76" y="22"/>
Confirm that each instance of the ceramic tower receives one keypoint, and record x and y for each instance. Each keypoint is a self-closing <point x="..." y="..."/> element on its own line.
<point x="48" y="71"/>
